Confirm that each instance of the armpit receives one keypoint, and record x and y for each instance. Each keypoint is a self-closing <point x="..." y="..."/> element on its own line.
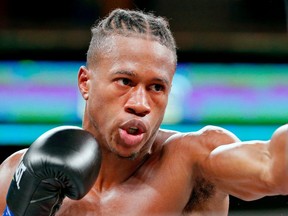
<point x="203" y="190"/>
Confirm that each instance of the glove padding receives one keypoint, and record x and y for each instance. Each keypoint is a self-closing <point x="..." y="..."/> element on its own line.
<point x="64" y="161"/>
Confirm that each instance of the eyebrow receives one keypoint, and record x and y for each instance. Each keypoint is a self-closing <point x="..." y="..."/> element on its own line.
<point x="132" y="74"/>
<point x="125" y="72"/>
<point x="162" y="80"/>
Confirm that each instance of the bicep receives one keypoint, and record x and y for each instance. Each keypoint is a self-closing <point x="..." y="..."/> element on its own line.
<point x="241" y="169"/>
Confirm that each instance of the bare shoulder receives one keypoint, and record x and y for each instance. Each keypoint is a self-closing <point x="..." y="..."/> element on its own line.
<point x="12" y="160"/>
<point x="214" y="136"/>
<point x="7" y="169"/>
<point x="193" y="147"/>
<point x="209" y="137"/>
<point x="185" y="154"/>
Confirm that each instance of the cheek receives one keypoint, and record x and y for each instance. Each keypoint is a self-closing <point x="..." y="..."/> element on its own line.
<point x="158" y="110"/>
<point x="160" y="103"/>
<point x="103" y="103"/>
<point x="96" y="102"/>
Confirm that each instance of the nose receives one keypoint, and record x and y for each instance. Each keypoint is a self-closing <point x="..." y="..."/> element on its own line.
<point x="138" y="102"/>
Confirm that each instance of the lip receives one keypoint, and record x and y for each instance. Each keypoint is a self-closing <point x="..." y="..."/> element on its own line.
<point x="134" y="123"/>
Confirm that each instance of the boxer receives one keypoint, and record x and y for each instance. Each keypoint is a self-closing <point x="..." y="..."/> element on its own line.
<point x="145" y="170"/>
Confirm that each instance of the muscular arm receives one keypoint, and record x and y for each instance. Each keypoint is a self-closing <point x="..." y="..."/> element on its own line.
<point x="7" y="169"/>
<point x="251" y="170"/>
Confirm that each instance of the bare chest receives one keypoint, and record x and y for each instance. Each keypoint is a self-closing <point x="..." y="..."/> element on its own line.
<point x="144" y="199"/>
<point x="139" y="200"/>
<point x="164" y="185"/>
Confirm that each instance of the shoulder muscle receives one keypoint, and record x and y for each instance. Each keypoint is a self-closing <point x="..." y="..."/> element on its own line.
<point x="214" y="136"/>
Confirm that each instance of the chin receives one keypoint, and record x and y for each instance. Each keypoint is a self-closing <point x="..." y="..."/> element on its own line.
<point x="129" y="156"/>
<point x="132" y="156"/>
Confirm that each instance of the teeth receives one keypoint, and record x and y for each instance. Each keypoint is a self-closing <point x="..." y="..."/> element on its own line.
<point x="132" y="130"/>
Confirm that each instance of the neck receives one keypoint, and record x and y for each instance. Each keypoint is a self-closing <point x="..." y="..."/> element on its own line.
<point x="115" y="170"/>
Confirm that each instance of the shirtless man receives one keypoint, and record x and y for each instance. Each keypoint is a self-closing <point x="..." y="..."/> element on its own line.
<point x="146" y="170"/>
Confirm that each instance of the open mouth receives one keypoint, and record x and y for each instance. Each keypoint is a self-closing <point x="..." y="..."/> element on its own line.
<point x="133" y="130"/>
<point x="134" y="127"/>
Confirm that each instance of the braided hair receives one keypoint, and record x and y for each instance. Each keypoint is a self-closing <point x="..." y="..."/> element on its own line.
<point x="130" y="23"/>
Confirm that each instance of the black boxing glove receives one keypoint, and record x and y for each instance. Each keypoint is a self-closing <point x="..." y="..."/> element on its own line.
<point x="64" y="161"/>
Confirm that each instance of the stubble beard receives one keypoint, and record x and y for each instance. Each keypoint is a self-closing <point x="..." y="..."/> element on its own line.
<point x="131" y="157"/>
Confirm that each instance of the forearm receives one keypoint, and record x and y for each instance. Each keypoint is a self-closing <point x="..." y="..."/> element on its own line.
<point x="278" y="148"/>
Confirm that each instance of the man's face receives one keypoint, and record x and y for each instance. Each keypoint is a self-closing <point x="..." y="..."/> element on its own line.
<point x="126" y="93"/>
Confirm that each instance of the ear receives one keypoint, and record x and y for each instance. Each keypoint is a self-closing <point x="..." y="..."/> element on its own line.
<point x="83" y="82"/>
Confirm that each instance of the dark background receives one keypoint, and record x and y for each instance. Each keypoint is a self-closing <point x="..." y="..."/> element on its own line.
<point x="205" y="31"/>
<point x="222" y="30"/>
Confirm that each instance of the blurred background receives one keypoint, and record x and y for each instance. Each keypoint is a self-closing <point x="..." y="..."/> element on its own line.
<point x="232" y="70"/>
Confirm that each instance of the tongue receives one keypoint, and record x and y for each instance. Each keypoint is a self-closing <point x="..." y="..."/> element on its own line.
<point x="130" y="139"/>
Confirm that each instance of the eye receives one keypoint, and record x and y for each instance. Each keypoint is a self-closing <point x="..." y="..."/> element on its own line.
<point x="157" y="87"/>
<point x="124" y="82"/>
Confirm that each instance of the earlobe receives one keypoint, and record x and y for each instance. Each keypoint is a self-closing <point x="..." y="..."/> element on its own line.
<point x="83" y="82"/>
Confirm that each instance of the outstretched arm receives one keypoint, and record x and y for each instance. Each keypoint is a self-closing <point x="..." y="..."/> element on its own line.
<point x="253" y="169"/>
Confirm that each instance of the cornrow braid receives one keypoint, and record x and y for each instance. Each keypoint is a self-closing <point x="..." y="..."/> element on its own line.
<point x="130" y="23"/>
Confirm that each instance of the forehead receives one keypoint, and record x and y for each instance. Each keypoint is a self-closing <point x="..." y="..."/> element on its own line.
<point x="144" y="52"/>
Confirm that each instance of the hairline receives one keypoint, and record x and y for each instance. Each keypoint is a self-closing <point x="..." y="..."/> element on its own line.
<point x="103" y="45"/>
